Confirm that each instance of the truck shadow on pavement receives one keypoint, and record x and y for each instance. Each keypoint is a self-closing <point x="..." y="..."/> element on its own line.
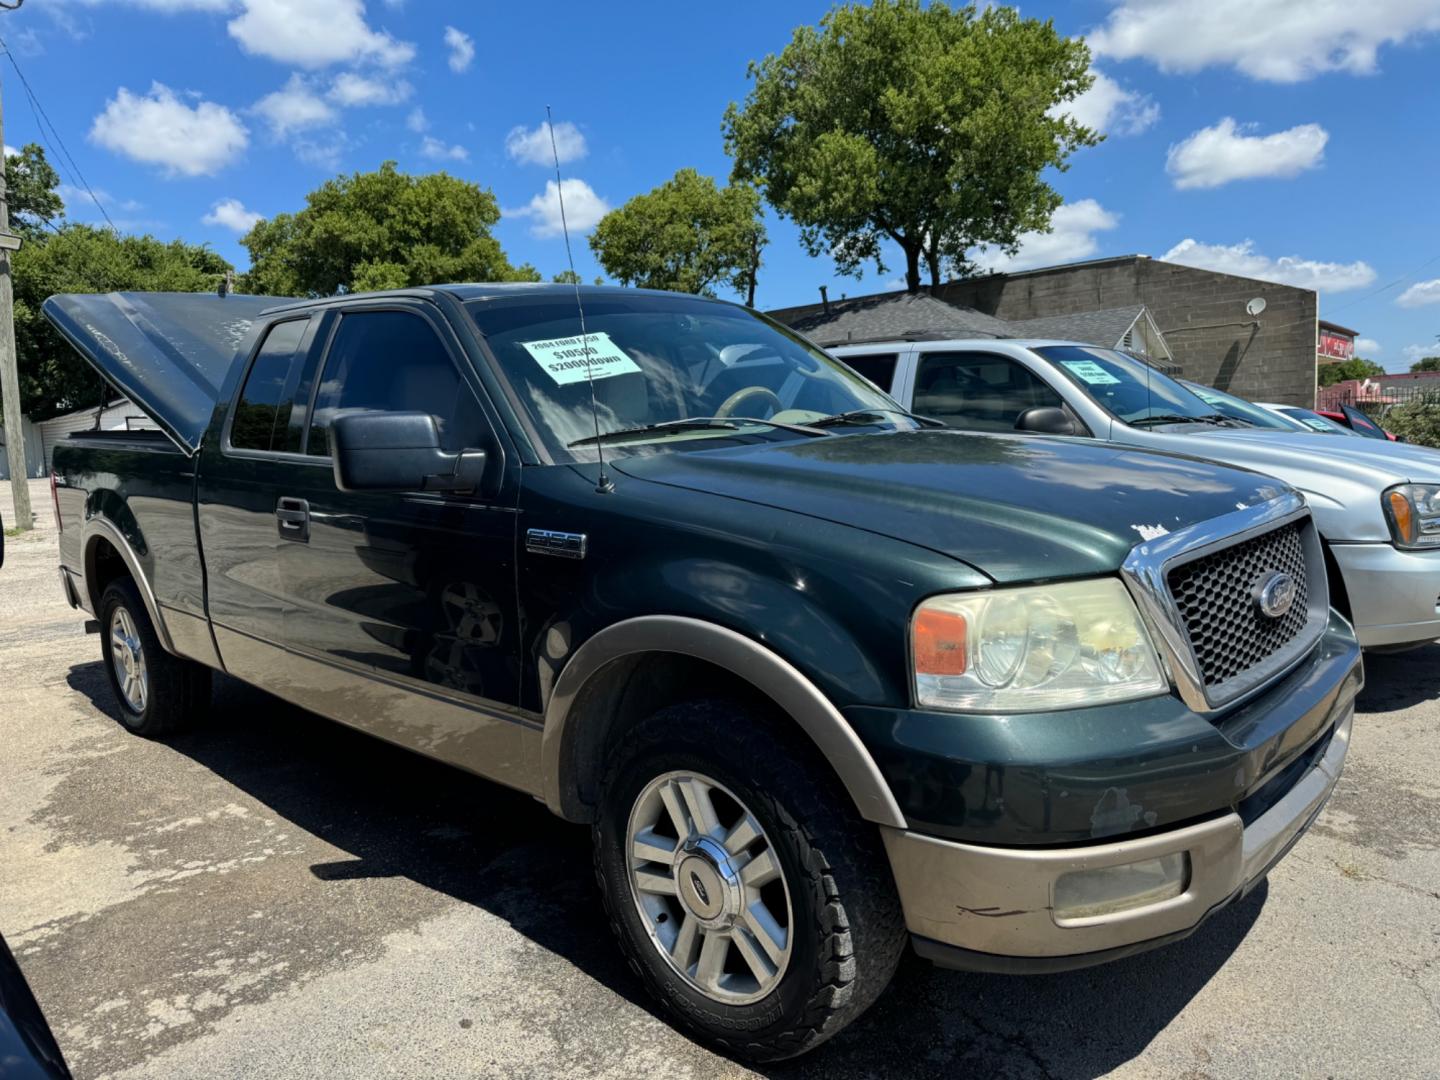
<point x="399" y="815"/>
<point x="1400" y="680"/>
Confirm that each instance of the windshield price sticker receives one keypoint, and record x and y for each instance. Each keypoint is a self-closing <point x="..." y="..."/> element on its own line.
<point x="1318" y="425"/>
<point x="1091" y="372"/>
<point x="565" y="360"/>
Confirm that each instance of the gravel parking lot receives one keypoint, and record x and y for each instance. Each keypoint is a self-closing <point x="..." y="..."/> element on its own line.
<point x="275" y="895"/>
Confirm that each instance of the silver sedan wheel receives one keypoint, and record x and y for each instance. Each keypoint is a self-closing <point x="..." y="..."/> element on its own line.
<point x="127" y="657"/>
<point x="708" y="885"/>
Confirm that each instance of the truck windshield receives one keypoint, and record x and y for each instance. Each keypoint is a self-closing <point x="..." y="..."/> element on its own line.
<point x="1246" y="412"/>
<point x="669" y="372"/>
<point x="1128" y="388"/>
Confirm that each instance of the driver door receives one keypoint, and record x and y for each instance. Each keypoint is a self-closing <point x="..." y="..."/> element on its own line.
<point x="403" y="605"/>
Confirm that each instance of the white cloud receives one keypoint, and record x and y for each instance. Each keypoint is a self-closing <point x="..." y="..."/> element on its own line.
<point x="432" y="147"/>
<point x="1217" y="155"/>
<point x="315" y="33"/>
<point x="1243" y="260"/>
<point x="532" y="146"/>
<point x="583" y="208"/>
<point x="352" y="90"/>
<point x="1367" y="347"/>
<point x="1072" y="236"/>
<point x="11" y="151"/>
<point x="417" y="121"/>
<point x="1419" y="352"/>
<point x="160" y="129"/>
<point x="294" y="107"/>
<point x="231" y="214"/>
<point x="1110" y="108"/>
<point x="1421" y="294"/>
<point x="1273" y="40"/>
<point x="462" y="49"/>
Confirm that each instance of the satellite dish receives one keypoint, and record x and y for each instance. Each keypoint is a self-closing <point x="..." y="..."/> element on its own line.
<point x="1255" y="306"/>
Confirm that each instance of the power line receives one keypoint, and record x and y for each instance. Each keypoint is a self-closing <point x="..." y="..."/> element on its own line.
<point x="1386" y="288"/>
<point x="39" y="109"/>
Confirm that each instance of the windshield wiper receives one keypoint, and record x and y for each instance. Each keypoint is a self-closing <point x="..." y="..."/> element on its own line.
<point x="695" y="423"/>
<point x="1173" y="418"/>
<point x="859" y="416"/>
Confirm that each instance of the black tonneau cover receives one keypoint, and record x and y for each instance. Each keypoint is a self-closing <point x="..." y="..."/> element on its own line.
<point x="170" y="353"/>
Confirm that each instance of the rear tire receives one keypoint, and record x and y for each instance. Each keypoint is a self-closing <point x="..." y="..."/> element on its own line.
<point x="158" y="693"/>
<point x="765" y="793"/>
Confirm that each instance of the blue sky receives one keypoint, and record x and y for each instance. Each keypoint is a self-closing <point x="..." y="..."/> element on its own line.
<point x="1276" y="138"/>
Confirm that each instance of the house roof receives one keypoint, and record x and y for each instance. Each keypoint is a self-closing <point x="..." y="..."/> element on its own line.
<point x="1104" y="327"/>
<point x="897" y="315"/>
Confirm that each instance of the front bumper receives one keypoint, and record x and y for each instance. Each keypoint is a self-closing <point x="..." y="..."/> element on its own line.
<point x="1394" y="595"/>
<point x="993" y="909"/>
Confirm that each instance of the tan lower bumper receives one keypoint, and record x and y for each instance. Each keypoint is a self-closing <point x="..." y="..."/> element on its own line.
<point x="1001" y="901"/>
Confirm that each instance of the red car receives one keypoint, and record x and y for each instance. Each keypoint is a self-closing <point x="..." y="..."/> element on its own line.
<point x="1358" y="422"/>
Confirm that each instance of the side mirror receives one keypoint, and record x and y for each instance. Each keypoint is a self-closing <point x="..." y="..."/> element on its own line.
<point x="1046" y="420"/>
<point x="400" y="452"/>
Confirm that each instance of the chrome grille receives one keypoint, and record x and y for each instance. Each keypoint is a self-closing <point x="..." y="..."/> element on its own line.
<point x="1214" y="596"/>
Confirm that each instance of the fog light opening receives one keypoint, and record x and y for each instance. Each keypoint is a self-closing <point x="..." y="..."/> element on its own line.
<point x="1108" y="890"/>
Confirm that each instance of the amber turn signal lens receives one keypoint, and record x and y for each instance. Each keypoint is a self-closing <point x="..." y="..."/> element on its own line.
<point x="1404" y="516"/>
<point x="939" y="638"/>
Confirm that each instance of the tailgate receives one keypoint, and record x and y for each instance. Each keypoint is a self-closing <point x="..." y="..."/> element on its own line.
<point x="170" y="353"/>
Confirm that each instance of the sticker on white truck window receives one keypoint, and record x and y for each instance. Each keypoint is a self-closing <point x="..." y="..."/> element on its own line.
<point x="565" y="361"/>
<point x="1091" y="372"/>
<point x="1317" y="425"/>
<point x="1208" y="399"/>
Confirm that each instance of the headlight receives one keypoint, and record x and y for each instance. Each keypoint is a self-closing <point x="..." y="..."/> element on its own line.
<point x="1033" y="648"/>
<point x="1413" y="511"/>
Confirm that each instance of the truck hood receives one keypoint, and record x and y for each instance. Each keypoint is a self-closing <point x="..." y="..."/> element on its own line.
<point x="1014" y="507"/>
<point x="1342" y="478"/>
<point x="169" y="353"/>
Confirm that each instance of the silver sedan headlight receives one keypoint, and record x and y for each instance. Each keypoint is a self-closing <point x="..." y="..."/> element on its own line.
<point x="1033" y="649"/>
<point x="1413" y="513"/>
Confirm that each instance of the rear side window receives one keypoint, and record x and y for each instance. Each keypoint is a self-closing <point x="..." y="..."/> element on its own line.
<point x="879" y="368"/>
<point x="266" y="399"/>
<point x="393" y="361"/>
<point x="978" y="391"/>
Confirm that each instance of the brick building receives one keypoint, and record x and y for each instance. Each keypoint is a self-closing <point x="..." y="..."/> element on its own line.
<point x="1212" y="329"/>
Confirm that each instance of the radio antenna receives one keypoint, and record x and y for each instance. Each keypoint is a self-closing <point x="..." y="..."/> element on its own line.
<point x="603" y="485"/>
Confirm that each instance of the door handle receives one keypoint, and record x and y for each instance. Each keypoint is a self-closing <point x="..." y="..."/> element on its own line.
<point x="292" y="518"/>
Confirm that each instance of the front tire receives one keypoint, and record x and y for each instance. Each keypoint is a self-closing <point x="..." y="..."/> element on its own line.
<point x="158" y="693"/>
<point x="757" y="907"/>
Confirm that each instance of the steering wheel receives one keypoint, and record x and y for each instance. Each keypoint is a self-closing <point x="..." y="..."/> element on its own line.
<point x="731" y="403"/>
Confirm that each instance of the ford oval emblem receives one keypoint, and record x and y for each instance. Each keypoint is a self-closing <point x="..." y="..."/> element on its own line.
<point x="1275" y="593"/>
<point x="699" y="887"/>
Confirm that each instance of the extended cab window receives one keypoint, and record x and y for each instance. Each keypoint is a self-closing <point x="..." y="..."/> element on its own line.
<point x="879" y="368"/>
<point x="393" y="361"/>
<point x="978" y="391"/>
<point x="265" y="401"/>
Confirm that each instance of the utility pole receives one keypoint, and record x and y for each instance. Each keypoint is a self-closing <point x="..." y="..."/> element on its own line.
<point x="9" y="375"/>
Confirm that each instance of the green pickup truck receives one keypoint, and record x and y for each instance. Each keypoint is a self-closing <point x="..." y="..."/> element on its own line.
<point x="826" y="683"/>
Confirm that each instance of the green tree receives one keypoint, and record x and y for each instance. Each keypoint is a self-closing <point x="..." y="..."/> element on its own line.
<point x="687" y="235"/>
<point x="380" y="230"/>
<point x="1416" y="421"/>
<point x="1426" y="363"/>
<point x="84" y="258"/>
<point x="927" y="126"/>
<point x="1355" y="368"/>
<point x="566" y="277"/>
<point x="30" y="182"/>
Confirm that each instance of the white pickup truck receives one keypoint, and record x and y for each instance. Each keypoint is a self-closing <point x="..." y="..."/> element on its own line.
<point x="1377" y="504"/>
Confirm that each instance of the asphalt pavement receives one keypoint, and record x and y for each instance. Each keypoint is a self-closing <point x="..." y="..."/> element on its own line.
<point x="277" y="896"/>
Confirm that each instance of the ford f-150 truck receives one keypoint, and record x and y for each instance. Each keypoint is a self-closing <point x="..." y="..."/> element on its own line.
<point x="1376" y="503"/>
<point x="824" y="681"/>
